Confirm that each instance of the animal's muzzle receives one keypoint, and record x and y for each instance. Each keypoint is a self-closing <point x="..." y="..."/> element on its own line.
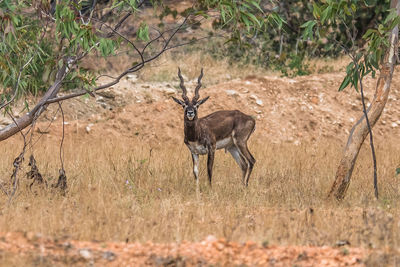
<point x="190" y="115"/>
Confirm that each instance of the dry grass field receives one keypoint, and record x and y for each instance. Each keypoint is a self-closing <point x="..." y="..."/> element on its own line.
<point x="119" y="190"/>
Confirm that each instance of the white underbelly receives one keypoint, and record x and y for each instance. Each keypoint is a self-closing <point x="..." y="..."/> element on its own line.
<point x="197" y="148"/>
<point x="225" y="143"/>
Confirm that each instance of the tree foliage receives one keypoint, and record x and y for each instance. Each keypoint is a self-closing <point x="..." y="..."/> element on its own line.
<point x="284" y="47"/>
<point x="366" y="49"/>
<point x="39" y="36"/>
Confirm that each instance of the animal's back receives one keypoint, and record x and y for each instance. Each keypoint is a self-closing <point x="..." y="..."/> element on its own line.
<point x="228" y="120"/>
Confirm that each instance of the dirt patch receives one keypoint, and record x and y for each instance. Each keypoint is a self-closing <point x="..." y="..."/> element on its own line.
<point x="294" y="110"/>
<point x="211" y="251"/>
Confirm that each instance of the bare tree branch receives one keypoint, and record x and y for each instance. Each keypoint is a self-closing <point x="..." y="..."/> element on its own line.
<point x="135" y="68"/>
<point x="51" y="94"/>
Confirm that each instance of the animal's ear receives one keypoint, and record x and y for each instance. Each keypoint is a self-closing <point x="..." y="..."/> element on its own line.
<point x="202" y="101"/>
<point x="180" y="102"/>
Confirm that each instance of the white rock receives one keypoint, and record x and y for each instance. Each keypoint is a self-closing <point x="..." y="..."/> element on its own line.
<point x="131" y="77"/>
<point x="247" y="82"/>
<point x="231" y="92"/>
<point x="259" y="102"/>
<point x="351" y="119"/>
<point x="89" y="127"/>
<point x="109" y="255"/>
<point x="394" y="125"/>
<point x="85" y="253"/>
<point x="211" y="238"/>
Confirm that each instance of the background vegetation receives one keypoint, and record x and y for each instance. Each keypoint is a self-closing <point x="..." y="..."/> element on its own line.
<point x="261" y="33"/>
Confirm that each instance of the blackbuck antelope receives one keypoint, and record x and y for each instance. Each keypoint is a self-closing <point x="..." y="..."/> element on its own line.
<point x="229" y="129"/>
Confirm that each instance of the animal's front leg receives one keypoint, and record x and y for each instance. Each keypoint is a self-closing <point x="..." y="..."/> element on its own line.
<point x="210" y="162"/>
<point x="195" y="159"/>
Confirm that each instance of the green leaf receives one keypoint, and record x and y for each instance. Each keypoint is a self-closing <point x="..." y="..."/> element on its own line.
<point x="353" y="7"/>
<point x="308" y="31"/>
<point x="345" y="83"/>
<point x="398" y="171"/>
<point x="354" y="81"/>
<point x="278" y="20"/>
<point x="132" y="4"/>
<point x="223" y="15"/>
<point x="326" y="14"/>
<point x="246" y="21"/>
<point x="394" y="23"/>
<point x="256" y="4"/>
<point x="305" y="25"/>
<point x="243" y="4"/>
<point x="143" y="32"/>
<point x="254" y="19"/>
<point x="391" y="16"/>
<point x="368" y="33"/>
<point x="381" y="29"/>
<point x="370" y="2"/>
<point x="117" y="4"/>
<point x="316" y="11"/>
<point x="347" y="10"/>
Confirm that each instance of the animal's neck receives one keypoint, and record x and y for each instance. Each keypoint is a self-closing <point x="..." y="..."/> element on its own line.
<point x="191" y="129"/>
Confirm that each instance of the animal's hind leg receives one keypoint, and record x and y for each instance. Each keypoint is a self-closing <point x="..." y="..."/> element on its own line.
<point x="249" y="158"/>
<point x="240" y="161"/>
<point x="240" y="141"/>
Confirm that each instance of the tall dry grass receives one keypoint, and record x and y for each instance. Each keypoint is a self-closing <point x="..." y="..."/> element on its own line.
<point x="118" y="191"/>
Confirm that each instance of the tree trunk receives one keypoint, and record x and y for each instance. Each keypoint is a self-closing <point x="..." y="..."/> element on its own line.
<point x="360" y="130"/>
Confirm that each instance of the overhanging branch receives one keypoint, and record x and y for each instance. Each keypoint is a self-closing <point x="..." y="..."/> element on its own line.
<point x="135" y="68"/>
<point x="24" y="121"/>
